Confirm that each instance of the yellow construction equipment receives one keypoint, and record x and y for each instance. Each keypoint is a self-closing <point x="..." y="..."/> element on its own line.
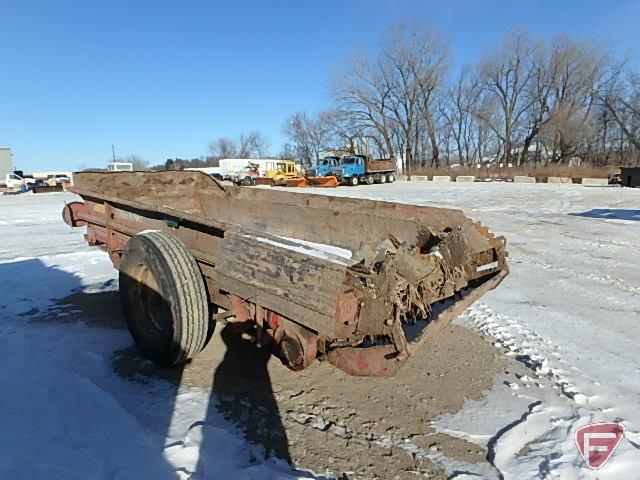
<point x="286" y="169"/>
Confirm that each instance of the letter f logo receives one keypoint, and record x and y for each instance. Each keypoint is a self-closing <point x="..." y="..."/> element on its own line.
<point x="597" y="442"/>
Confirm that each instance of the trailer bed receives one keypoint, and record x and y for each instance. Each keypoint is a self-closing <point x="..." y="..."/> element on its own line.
<point x="359" y="283"/>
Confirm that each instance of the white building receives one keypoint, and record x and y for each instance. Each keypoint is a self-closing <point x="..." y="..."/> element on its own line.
<point x="6" y="162"/>
<point x="120" y="167"/>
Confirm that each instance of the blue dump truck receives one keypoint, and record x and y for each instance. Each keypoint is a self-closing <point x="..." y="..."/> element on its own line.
<point x="356" y="169"/>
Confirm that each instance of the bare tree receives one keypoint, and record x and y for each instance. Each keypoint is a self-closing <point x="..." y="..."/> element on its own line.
<point x="343" y="132"/>
<point x="527" y="97"/>
<point x="390" y="97"/>
<point x="223" y="147"/>
<point x="363" y="94"/>
<point x="426" y="56"/>
<point x="459" y="108"/>
<point x="506" y="74"/>
<point x="287" y="152"/>
<point x="307" y="135"/>
<point x="254" y="144"/>
<point x="137" y="161"/>
<point x="620" y="96"/>
<point x="564" y="78"/>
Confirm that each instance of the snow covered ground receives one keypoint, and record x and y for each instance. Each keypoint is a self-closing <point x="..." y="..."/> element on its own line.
<point x="569" y="312"/>
<point x="64" y="414"/>
<point x="568" y="316"/>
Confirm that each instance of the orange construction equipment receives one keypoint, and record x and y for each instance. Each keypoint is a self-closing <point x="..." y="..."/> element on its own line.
<point x="303" y="182"/>
<point x="264" y="181"/>
<point x="294" y="182"/>
<point x="325" y="182"/>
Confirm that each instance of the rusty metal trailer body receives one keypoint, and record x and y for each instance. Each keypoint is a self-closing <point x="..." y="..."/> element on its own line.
<point x="359" y="283"/>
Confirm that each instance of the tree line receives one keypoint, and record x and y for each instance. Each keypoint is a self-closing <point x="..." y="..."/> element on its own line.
<point x="249" y="145"/>
<point x="526" y="101"/>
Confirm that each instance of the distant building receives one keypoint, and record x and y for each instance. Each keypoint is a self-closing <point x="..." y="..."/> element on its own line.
<point x="120" y="167"/>
<point x="6" y="162"/>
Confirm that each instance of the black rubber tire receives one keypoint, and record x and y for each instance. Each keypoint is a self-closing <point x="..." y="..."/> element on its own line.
<point x="354" y="181"/>
<point x="391" y="178"/>
<point x="382" y="179"/>
<point x="368" y="180"/>
<point x="164" y="299"/>
<point x="247" y="181"/>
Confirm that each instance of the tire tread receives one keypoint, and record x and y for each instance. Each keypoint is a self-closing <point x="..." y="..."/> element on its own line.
<point x="191" y="295"/>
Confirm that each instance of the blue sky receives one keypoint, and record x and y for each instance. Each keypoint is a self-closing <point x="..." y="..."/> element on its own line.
<point x="161" y="79"/>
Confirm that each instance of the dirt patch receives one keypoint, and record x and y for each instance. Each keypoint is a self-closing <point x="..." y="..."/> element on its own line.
<point x="325" y="420"/>
<point x="322" y="418"/>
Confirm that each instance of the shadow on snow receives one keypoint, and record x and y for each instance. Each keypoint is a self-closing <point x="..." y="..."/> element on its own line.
<point x="241" y="389"/>
<point x="610" y="214"/>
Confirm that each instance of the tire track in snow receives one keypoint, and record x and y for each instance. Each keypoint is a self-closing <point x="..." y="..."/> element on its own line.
<point x="510" y="335"/>
<point x="541" y="356"/>
<point x="607" y="280"/>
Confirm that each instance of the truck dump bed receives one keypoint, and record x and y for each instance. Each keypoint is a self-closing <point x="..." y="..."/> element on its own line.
<point x="373" y="166"/>
<point x="359" y="283"/>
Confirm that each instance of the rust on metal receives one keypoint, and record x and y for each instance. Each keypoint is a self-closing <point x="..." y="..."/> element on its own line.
<point x="381" y="165"/>
<point x="359" y="283"/>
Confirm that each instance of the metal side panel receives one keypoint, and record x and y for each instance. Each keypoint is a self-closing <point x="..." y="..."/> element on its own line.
<point x="271" y="265"/>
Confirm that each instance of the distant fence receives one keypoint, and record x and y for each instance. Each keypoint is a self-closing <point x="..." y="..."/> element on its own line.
<point x="541" y="174"/>
<point x="515" y="179"/>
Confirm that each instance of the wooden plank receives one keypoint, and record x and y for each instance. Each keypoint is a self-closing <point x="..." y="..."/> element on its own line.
<point x="300" y="278"/>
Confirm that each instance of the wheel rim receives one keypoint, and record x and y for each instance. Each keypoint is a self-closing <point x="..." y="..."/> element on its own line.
<point x="157" y="312"/>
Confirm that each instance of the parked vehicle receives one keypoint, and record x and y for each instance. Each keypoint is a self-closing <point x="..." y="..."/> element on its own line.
<point x="247" y="176"/>
<point x="229" y="167"/>
<point x="267" y="173"/>
<point x="615" y="178"/>
<point x="360" y="283"/>
<point x="29" y="180"/>
<point x="324" y="167"/>
<point x="356" y="169"/>
<point x="284" y="169"/>
<point x="46" y="186"/>
<point x="59" y="179"/>
<point x="13" y="180"/>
